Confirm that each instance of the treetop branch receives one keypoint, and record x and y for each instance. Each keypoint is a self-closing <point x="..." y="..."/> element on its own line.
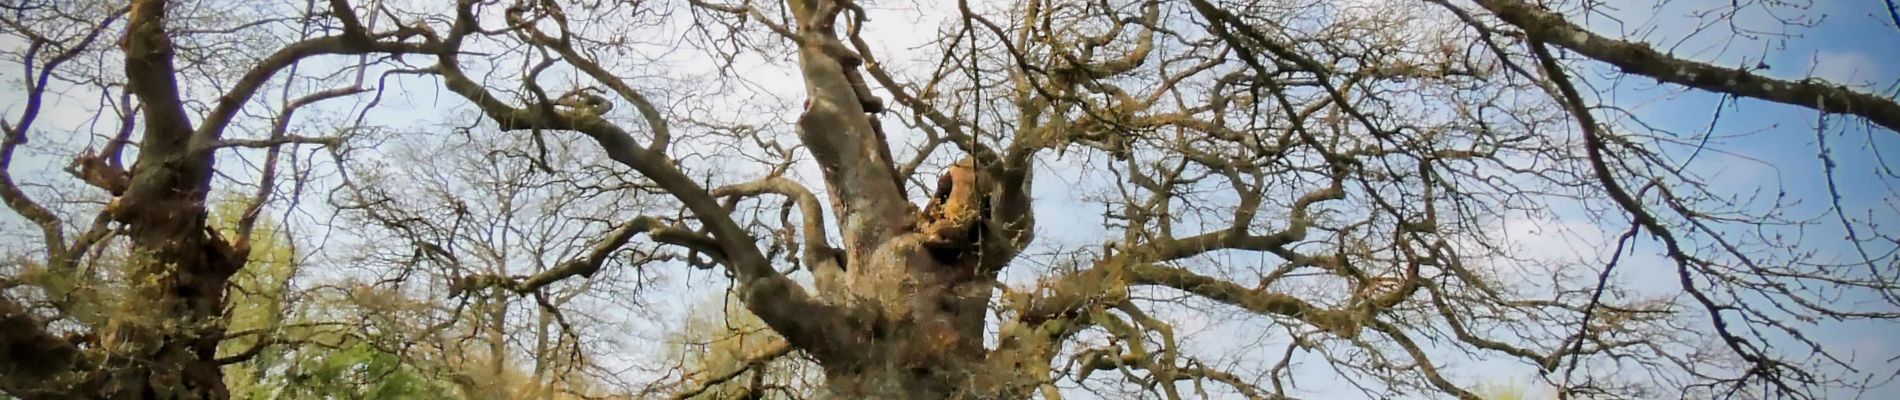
<point x="1641" y="59"/>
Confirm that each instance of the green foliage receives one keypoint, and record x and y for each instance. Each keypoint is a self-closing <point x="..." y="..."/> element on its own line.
<point x="358" y="371"/>
<point x="258" y="290"/>
<point x="255" y="298"/>
<point x="323" y="364"/>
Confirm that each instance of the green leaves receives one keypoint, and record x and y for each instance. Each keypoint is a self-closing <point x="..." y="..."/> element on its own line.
<point x="356" y="371"/>
<point x="306" y="361"/>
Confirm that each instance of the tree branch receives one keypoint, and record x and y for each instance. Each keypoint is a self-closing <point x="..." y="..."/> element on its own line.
<point x="781" y="303"/>
<point x="1637" y="58"/>
<point x="274" y="142"/>
<point x="839" y="134"/>
<point x="233" y="100"/>
<point x="267" y="180"/>
<point x="662" y="132"/>
<point x="13" y="134"/>
<point x="817" y="247"/>
<point x="1257" y="301"/>
<point x="586" y="266"/>
<point x="774" y="351"/>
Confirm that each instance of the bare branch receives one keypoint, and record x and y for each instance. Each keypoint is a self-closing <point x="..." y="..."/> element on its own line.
<point x="771" y="352"/>
<point x="1548" y="27"/>
<point x="14" y="134"/>
<point x="595" y="257"/>
<point x="817" y="247"/>
<point x="328" y="141"/>
<point x="777" y="300"/>
<point x="233" y="100"/>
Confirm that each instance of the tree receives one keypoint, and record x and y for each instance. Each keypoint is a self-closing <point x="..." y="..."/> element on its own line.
<point x="166" y="337"/>
<point x="1336" y="171"/>
<point x="730" y="354"/>
<point x="486" y="235"/>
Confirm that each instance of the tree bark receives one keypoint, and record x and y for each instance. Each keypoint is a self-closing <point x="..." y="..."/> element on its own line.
<point x="918" y="283"/>
<point x="164" y="342"/>
<point x="920" y="307"/>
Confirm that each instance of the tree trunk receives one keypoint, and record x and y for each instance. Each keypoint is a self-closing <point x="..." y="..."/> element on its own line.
<point x="891" y="383"/>
<point x="917" y="283"/>
<point x="926" y="338"/>
<point x="163" y="342"/>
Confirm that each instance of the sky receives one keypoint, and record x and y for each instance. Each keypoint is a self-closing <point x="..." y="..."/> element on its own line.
<point x="1856" y="43"/>
<point x="1772" y="146"/>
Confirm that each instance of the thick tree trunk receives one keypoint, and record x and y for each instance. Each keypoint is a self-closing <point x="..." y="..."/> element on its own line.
<point x="892" y="382"/>
<point x="165" y="346"/>
<point x="926" y="340"/>
<point x="163" y="342"/>
<point x="917" y="283"/>
<point x="930" y="296"/>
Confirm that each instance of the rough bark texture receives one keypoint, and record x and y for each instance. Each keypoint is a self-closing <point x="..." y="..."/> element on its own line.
<point x="166" y="346"/>
<point x="917" y="282"/>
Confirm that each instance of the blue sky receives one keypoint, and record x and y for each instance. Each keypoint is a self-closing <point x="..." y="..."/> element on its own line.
<point x="1774" y="146"/>
<point x="1759" y="147"/>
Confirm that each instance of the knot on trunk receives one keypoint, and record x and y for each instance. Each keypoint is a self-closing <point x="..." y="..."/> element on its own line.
<point x="101" y="171"/>
<point x="954" y="221"/>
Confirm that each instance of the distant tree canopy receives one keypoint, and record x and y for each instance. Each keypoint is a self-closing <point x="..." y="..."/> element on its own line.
<point x="930" y="200"/>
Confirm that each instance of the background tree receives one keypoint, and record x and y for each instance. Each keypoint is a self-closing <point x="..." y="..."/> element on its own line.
<point x="730" y="354"/>
<point x="475" y="236"/>
<point x="1337" y="179"/>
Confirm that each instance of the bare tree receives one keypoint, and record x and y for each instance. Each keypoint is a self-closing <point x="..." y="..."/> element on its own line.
<point x="1335" y="172"/>
<point x="729" y="354"/>
<point x="164" y="337"/>
<point x="471" y="222"/>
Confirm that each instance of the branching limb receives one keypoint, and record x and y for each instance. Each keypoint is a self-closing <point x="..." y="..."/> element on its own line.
<point x="331" y="141"/>
<point x="656" y="122"/>
<point x="868" y="200"/>
<point x="280" y="128"/>
<point x="772" y="352"/>
<point x="1258" y="301"/>
<point x="748" y="11"/>
<point x="1763" y="364"/>
<point x="777" y="300"/>
<point x="596" y="256"/>
<point x="1424" y="362"/>
<point x="1548" y="27"/>
<point x="812" y="214"/>
<point x="14" y="133"/>
<point x="826" y="263"/>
